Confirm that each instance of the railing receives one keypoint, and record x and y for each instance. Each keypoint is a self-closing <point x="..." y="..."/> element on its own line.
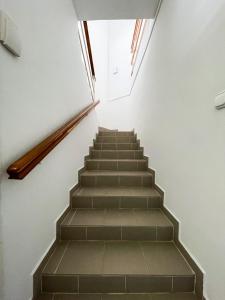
<point x="87" y="36"/>
<point x="20" y="168"/>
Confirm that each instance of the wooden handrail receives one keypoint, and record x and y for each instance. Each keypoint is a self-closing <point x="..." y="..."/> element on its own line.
<point x="21" y="167"/>
<point x="87" y="36"/>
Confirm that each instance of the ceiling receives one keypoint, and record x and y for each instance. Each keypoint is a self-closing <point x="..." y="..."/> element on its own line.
<point x="115" y="9"/>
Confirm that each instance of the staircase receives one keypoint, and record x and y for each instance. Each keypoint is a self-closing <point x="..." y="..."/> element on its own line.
<point x="115" y="242"/>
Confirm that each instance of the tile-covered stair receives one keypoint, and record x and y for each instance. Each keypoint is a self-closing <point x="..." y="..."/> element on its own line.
<point x="116" y="224"/>
<point x="115" y="242"/>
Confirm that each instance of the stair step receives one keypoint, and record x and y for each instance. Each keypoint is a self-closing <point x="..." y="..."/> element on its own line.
<point x="115" y="242"/>
<point x="164" y="296"/>
<point x="116" y="197"/>
<point x="116" y="178"/>
<point x="116" y="154"/>
<point x="116" y="224"/>
<point x="119" y="165"/>
<point x="116" y="146"/>
<point x="117" y="267"/>
<point x="116" y="139"/>
<point x="116" y="133"/>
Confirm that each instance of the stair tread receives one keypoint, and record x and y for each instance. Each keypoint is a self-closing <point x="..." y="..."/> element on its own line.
<point x="123" y="134"/>
<point x="116" y="217"/>
<point x="99" y="142"/>
<point x="119" y="159"/>
<point x="117" y="150"/>
<point x="177" y="296"/>
<point x="116" y="191"/>
<point x="115" y="173"/>
<point x="117" y="258"/>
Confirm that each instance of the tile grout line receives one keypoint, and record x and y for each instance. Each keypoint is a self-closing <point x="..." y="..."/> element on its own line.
<point x="103" y="257"/>
<point x="57" y="267"/>
<point x="145" y="259"/>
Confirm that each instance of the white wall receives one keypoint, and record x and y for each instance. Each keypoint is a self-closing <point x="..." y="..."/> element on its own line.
<point x="116" y="9"/>
<point x="120" y="38"/>
<point x="99" y="37"/>
<point x="173" y="112"/>
<point x="38" y="93"/>
<point x="111" y="47"/>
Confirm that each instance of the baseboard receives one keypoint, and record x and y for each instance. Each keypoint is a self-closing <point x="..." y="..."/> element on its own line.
<point x="180" y="246"/>
<point x="38" y="272"/>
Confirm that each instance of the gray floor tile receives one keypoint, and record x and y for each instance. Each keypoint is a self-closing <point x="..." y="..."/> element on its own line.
<point x="54" y="259"/>
<point x="126" y="297"/>
<point x="82" y="258"/>
<point x="102" y="284"/>
<point x="106" y="202"/>
<point x="104" y="233"/>
<point x="164" y="258"/>
<point x="140" y="233"/>
<point x="73" y="233"/>
<point x="119" y="217"/>
<point x="89" y="217"/>
<point x="148" y="284"/>
<point x="60" y="284"/>
<point x="77" y="297"/>
<point x="82" y="202"/>
<point x="176" y="296"/>
<point x="124" y="258"/>
<point x="117" y="191"/>
<point x="183" y="284"/>
<point x="68" y="217"/>
<point x="151" y="218"/>
<point x="134" y="202"/>
<point x="45" y="297"/>
<point x="179" y="296"/>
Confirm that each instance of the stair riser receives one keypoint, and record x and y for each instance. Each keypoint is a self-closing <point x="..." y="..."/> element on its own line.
<point x="125" y="154"/>
<point x="116" y="133"/>
<point x="117" y="165"/>
<point x="116" y="284"/>
<point x="120" y="296"/>
<point x="116" y="146"/>
<point x="117" y="202"/>
<point x="110" y="180"/>
<point x="124" y="233"/>
<point x="118" y="139"/>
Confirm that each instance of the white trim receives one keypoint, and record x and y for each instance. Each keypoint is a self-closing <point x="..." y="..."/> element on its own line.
<point x="42" y="257"/>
